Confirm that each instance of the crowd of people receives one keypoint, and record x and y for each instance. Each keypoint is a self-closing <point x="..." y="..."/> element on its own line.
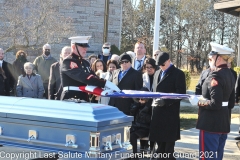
<point x="158" y="118"/>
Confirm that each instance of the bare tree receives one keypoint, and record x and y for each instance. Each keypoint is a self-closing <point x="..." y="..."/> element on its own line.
<point x="31" y="23"/>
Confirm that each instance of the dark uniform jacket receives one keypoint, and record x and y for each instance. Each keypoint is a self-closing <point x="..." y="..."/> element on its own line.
<point x="218" y="88"/>
<point x="203" y="76"/>
<point x="77" y="72"/>
<point x="131" y="81"/>
<point x="165" y="124"/>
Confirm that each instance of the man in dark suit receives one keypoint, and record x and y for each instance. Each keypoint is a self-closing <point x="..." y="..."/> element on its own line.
<point x="126" y="78"/>
<point x="165" y="125"/>
<point x="7" y="68"/>
<point x="54" y="86"/>
<point x="140" y="52"/>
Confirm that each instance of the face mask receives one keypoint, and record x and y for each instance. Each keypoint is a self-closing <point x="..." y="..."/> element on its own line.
<point x="47" y="53"/>
<point x="21" y="57"/>
<point x="106" y="51"/>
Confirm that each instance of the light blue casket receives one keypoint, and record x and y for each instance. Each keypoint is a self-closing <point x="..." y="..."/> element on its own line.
<point x="79" y="130"/>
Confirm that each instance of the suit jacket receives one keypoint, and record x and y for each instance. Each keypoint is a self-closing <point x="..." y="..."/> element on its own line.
<point x="9" y="82"/>
<point x="54" y="85"/>
<point x="133" y="64"/>
<point x="165" y="125"/>
<point x="131" y="81"/>
<point x="32" y="87"/>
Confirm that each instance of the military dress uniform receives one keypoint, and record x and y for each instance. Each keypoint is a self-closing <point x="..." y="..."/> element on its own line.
<point x="76" y="72"/>
<point x="213" y="116"/>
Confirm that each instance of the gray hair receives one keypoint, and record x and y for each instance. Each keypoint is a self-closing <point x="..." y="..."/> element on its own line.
<point x="66" y="48"/>
<point x="27" y="64"/>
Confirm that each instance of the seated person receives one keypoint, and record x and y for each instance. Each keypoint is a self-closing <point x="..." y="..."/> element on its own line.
<point x="142" y="112"/>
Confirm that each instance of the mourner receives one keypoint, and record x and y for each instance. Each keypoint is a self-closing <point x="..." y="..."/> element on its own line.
<point x="237" y="95"/>
<point x="42" y="65"/>
<point x="76" y="71"/>
<point x="165" y="124"/>
<point x="218" y="93"/>
<point x="125" y="78"/>
<point x="29" y="84"/>
<point x="203" y="76"/>
<point x="7" y="68"/>
<point x="55" y="86"/>
<point x="18" y="63"/>
<point x="140" y="52"/>
<point x="106" y="52"/>
<point x="142" y="111"/>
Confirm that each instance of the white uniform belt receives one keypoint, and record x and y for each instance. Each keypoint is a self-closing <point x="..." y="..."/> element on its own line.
<point x="71" y="88"/>
<point x="224" y="103"/>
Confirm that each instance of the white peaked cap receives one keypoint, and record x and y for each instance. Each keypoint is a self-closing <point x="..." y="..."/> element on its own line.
<point x="220" y="49"/>
<point x="79" y="39"/>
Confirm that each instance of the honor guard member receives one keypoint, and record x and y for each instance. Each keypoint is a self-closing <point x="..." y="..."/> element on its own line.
<point x="76" y="71"/>
<point x="218" y="93"/>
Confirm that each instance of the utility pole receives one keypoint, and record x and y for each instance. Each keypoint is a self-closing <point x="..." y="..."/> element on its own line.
<point x="106" y="14"/>
<point x="156" y="25"/>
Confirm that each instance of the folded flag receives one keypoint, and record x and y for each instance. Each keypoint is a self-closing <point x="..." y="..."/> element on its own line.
<point x="131" y="93"/>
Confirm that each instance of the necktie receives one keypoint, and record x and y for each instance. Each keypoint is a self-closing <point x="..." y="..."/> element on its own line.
<point x="139" y="65"/>
<point x="122" y="74"/>
<point x="163" y="73"/>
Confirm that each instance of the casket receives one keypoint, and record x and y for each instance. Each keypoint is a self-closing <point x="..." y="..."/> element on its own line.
<point x="69" y="130"/>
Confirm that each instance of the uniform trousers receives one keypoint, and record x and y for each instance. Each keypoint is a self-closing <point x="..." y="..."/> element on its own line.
<point x="211" y="145"/>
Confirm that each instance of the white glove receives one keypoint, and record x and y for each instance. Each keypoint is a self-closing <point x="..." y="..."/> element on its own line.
<point x="193" y="100"/>
<point x="112" y="86"/>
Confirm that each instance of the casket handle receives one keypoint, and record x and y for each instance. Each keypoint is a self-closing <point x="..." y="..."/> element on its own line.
<point x="38" y="141"/>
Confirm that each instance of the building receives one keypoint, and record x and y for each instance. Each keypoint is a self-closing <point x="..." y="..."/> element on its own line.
<point x="87" y="19"/>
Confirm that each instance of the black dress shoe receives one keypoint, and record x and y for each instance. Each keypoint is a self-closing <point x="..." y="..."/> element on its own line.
<point x="237" y="138"/>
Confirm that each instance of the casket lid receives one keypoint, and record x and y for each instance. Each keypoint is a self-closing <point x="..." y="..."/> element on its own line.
<point x="62" y="112"/>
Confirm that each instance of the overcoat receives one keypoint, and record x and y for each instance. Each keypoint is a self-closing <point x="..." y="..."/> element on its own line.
<point x="165" y="125"/>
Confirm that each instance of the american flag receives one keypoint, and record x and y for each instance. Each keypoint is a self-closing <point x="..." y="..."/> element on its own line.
<point x="131" y="93"/>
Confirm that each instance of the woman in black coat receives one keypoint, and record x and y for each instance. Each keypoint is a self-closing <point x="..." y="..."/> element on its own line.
<point x="18" y="63"/>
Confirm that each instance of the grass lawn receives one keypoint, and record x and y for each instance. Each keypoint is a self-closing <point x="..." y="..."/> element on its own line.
<point x="188" y="117"/>
<point x="194" y="80"/>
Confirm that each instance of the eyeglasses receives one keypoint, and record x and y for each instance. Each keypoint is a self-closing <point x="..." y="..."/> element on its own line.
<point x="149" y="67"/>
<point x="124" y="62"/>
<point x="105" y="47"/>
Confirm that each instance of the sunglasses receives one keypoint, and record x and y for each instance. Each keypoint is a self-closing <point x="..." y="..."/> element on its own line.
<point x="105" y="47"/>
<point x="124" y="62"/>
<point x="155" y="55"/>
